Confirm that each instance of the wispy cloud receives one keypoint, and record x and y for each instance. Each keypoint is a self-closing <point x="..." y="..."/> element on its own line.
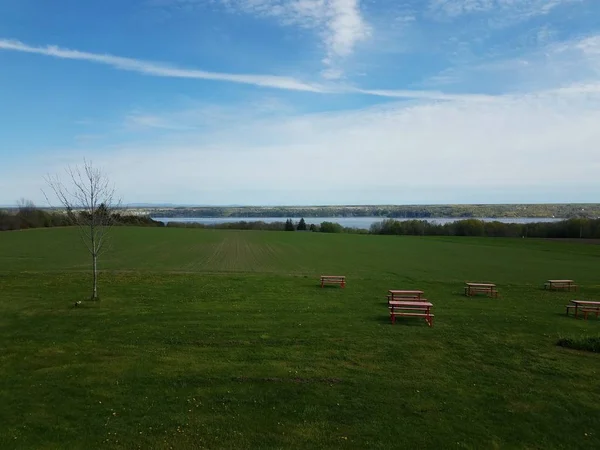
<point x="159" y="69"/>
<point x="550" y="65"/>
<point x="340" y="23"/>
<point x="271" y="81"/>
<point x="424" y="95"/>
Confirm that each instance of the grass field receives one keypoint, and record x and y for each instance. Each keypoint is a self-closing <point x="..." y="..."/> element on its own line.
<point x="223" y="339"/>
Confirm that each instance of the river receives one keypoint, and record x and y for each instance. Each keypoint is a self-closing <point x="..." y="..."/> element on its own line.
<point x="351" y="222"/>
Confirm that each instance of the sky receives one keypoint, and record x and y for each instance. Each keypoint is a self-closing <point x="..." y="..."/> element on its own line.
<point x="299" y="102"/>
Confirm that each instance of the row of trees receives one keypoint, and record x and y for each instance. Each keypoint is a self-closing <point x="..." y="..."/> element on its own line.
<point x="390" y="211"/>
<point x="571" y="228"/>
<point x="28" y="215"/>
<point x="288" y="225"/>
<point x="300" y="226"/>
<point x="566" y="229"/>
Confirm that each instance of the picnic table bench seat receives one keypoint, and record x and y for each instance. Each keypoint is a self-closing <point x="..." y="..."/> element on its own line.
<point x="405" y="295"/>
<point x="428" y="317"/>
<point x="413" y="308"/>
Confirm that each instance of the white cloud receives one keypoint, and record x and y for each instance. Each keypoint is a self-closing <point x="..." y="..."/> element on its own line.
<point x="339" y="23"/>
<point x="424" y="95"/>
<point x="160" y="70"/>
<point x="516" y="143"/>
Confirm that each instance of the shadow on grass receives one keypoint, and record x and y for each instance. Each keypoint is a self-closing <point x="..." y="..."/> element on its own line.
<point x="402" y="321"/>
<point x="580" y="316"/>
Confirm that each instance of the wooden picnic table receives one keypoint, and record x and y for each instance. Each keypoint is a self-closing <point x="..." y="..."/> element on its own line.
<point x="411" y="309"/>
<point x="333" y="279"/>
<point x="488" y="288"/>
<point x="586" y="306"/>
<point x="560" y="284"/>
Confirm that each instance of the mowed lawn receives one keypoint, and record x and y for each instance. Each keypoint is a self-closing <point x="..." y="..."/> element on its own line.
<point x="223" y="339"/>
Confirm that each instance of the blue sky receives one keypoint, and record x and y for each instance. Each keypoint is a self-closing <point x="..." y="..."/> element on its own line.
<point x="304" y="101"/>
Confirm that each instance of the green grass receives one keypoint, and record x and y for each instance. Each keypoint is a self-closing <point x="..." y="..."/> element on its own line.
<point x="222" y="339"/>
<point x="587" y="343"/>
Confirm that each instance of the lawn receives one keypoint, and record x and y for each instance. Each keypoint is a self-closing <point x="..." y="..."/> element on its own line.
<point x="223" y="339"/>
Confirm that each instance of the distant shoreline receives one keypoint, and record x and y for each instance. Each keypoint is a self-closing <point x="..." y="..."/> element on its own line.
<point x="474" y="211"/>
<point x="522" y="211"/>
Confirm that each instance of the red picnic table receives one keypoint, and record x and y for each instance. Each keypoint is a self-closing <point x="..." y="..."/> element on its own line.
<point x="486" y="288"/>
<point x="333" y="279"/>
<point x="585" y="306"/>
<point x="411" y="309"/>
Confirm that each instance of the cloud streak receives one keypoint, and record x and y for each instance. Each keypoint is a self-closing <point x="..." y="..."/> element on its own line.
<point x="580" y="51"/>
<point x="161" y="70"/>
<point x="269" y="81"/>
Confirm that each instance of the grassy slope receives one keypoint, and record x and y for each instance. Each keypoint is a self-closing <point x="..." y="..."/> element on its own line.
<point x="223" y="340"/>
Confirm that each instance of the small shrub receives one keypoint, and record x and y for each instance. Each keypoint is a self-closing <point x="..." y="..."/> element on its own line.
<point x="331" y="227"/>
<point x="587" y="343"/>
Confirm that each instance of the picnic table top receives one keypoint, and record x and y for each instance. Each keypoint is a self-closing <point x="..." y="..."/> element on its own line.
<point x="409" y="303"/>
<point x="333" y="276"/>
<point x="560" y="281"/>
<point x="585" y="302"/>
<point x="399" y="291"/>
<point x="481" y="284"/>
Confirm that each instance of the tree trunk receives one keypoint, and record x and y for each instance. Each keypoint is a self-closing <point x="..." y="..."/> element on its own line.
<point x="95" y="271"/>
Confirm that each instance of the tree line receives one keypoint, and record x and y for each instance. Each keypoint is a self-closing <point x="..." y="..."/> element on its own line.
<point x="27" y="215"/>
<point x="570" y="228"/>
<point x="576" y="228"/>
<point x="391" y="211"/>
<point x="288" y="225"/>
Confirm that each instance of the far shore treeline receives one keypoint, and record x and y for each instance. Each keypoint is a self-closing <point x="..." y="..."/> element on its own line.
<point x="565" y="211"/>
<point x="29" y="216"/>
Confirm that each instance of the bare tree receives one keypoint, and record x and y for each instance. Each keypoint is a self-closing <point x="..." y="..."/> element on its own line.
<point x="26" y="213"/>
<point x="25" y="205"/>
<point x="90" y="202"/>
